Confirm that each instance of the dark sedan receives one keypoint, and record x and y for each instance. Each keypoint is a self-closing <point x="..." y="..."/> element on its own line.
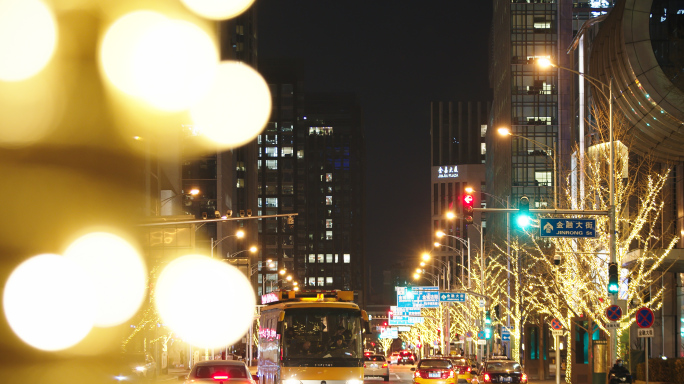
<point x="503" y="371"/>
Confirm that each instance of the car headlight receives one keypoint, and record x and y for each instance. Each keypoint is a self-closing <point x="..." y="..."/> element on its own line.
<point x="291" y="381"/>
<point x="120" y="378"/>
<point x="140" y="369"/>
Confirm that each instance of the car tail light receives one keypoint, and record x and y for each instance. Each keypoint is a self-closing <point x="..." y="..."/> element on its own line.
<point x="523" y="379"/>
<point x="364" y="365"/>
<point x="416" y="374"/>
<point x="487" y="378"/>
<point x="451" y="373"/>
<point x="384" y="365"/>
<point x="220" y="376"/>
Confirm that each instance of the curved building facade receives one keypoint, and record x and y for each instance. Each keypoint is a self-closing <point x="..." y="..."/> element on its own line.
<point x="641" y="47"/>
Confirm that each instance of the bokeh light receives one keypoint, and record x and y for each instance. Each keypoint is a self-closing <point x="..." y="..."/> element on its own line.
<point x="28" y="35"/>
<point x="168" y="63"/>
<point x="218" y="9"/>
<point x="236" y="109"/>
<point x="48" y="302"/>
<point x="118" y="273"/>
<point x="207" y="302"/>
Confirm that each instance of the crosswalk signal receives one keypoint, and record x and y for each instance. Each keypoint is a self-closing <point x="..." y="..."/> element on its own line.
<point x="468" y="201"/>
<point x="523" y="217"/>
<point x="613" y="286"/>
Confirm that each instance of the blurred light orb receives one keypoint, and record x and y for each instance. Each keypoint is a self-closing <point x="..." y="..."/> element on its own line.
<point x="118" y="273"/>
<point x="48" y="302"/>
<point x="28" y="35"/>
<point x="237" y="107"/>
<point x="208" y="303"/>
<point x="168" y="63"/>
<point x="218" y="9"/>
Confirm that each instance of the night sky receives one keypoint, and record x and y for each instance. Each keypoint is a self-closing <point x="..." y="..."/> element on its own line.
<point x="397" y="56"/>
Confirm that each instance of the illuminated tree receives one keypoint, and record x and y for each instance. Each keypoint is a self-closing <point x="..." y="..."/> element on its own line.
<point x="386" y="343"/>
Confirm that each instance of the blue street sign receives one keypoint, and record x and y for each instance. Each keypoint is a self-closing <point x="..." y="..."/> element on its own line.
<point x="614" y="313"/>
<point x="481" y="335"/>
<point x="505" y="336"/>
<point x="567" y="227"/>
<point x="406" y="311"/>
<point x="405" y="320"/>
<point x="469" y="334"/>
<point x="452" y="297"/>
<point x="418" y="297"/>
<point x="644" y="318"/>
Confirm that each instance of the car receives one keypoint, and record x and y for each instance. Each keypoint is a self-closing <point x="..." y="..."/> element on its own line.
<point x="406" y="357"/>
<point x="502" y="371"/>
<point x="220" y="371"/>
<point x="375" y="366"/>
<point x="136" y="367"/>
<point x="394" y="358"/>
<point x="466" y="369"/>
<point x="434" y="371"/>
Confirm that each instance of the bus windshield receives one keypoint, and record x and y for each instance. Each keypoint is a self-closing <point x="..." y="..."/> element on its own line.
<point x="322" y="337"/>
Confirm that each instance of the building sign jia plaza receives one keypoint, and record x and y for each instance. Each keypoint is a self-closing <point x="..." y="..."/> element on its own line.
<point x="448" y="172"/>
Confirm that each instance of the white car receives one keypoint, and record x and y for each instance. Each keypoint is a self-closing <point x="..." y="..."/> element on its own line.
<point x="220" y="371"/>
<point x="394" y="358"/>
<point x="375" y="366"/>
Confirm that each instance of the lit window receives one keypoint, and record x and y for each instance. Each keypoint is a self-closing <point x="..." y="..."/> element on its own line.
<point x="312" y="281"/>
<point x="328" y="200"/>
<point x="320" y="258"/>
<point x="543" y="120"/>
<point x="543" y="178"/>
<point x="300" y="154"/>
<point x="329" y="258"/>
<point x="328" y="177"/>
<point x="312" y="258"/>
<point x="320" y="281"/>
<point x="328" y="280"/>
<point x="347" y="258"/>
<point x="286" y="152"/>
<point x="336" y="260"/>
<point x="483" y="130"/>
<point x="272" y="164"/>
<point x="240" y="166"/>
<point x="320" y="131"/>
<point x="328" y="223"/>
<point x="483" y="148"/>
<point x="328" y="235"/>
<point x="272" y="202"/>
<point x="271" y="151"/>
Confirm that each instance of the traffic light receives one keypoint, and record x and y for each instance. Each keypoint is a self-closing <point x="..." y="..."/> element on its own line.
<point x="613" y="286"/>
<point x="488" y="332"/>
<point x="523" y="217"/>
<point x="390" y="315"/>
<point x="488" y="318"/>
<point x="468" y="201"/>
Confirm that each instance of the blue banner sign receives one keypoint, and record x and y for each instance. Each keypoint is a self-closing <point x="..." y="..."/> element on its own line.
<point x="452" y="297"/>
<point x="404" y="320"/>
<point x="417" y="297"/>
<point x="407" y="311"/>
<point x="567" y="227"/>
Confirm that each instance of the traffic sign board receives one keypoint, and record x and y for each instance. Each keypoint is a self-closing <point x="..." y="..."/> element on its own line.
<point x="505" y="336"/>
<point x="570" y="227"/>
<point x="481" y="342"/>
<point x="613" y="325"/>
<point x="481" y="335"/>
<point x="644" y="317"/>
<point x="469" y="334"/>
<point x="614" y="313"/>
<point x="556" y="324"/>
<point x="645" y="332"/>
<point x="557" y="332"/>
<point x="417" y="297"/>
<point x="452" y="297"/>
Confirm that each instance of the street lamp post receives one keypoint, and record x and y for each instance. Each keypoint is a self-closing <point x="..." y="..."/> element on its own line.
<point x="238" y="234"/>
<point x="600" y="86"/>
<point x="251" y="249"/>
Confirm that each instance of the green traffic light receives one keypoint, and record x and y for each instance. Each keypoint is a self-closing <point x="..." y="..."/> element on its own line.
<point x="523" y="221"/>
<point x="488" y="333"/>
<point x="613" y="288"/>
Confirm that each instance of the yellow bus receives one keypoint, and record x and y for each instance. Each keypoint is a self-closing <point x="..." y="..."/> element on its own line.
<point x="311" y="337"/>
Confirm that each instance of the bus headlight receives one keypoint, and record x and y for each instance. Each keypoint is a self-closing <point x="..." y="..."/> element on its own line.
<point x="354" y="381"/>
<point x="291" y="381"/>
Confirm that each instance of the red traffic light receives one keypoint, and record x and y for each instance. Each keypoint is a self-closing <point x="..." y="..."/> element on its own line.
<point x="468" y="199"/>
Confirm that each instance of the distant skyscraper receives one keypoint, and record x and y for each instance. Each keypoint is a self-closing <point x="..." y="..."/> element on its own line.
<point x="311" y="163"/>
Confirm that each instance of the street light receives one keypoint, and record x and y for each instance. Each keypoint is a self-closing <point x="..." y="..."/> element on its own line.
<point x="239" y="234"/>
<point x="252" y="249"/>
<point x="600" y="86"/>
<point x="503" y="131"/>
